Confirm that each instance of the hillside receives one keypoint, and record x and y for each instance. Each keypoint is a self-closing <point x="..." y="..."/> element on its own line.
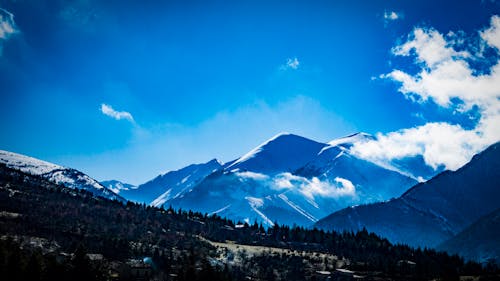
<point x="478" y="242"/>
<point x="53" y="221"/>
<point x="433" y="211"/>
<point x="68" y="177"/>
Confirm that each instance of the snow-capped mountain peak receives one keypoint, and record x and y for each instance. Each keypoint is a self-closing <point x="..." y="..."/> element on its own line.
<point x="283" y="152"/>
<point x="252" y="153"/>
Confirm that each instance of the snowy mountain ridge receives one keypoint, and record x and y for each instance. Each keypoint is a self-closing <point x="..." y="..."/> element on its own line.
<point x="172" y="184"/>
<point x="55" y="173"/>
<point x="117" y="186"/>
<point x="289" y="179"/>
<point x="282" y="153"/>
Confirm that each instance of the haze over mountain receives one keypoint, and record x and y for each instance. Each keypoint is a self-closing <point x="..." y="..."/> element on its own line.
<point x="431" y="212"/>
<point x="171" y="184"/>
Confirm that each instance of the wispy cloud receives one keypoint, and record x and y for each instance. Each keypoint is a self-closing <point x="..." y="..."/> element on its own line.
<point x="118" y="115"/>
<point x="291" y="63"/>
<point x="447" y="79"/>
<point x="7" y="26"/>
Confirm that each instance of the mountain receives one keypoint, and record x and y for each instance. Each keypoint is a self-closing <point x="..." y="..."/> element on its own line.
<point x="373" y="183"/>
<point x="57" y="174"/>
<point x="51" y="232"/>
<point x="118" y="186"/>
<point x="172" y="184"/>
<point x="433" y="211"/>
<point x="292" y="180"/>
<point x="479" y="242"/>
<point x="282" y="153"/>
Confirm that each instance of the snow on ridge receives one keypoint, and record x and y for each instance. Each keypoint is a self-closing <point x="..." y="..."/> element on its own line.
<point x="220" y="210"/>
<point x="256" y="150"/>
<point x="297" y="208"/>
<point x="161" y="199"/>
<point x="186" y="178"/>
<point x="254" y="201"/>
<point x="351" y="139"/>
<point x="57" y="174"/>
<point x="27" y="164"/>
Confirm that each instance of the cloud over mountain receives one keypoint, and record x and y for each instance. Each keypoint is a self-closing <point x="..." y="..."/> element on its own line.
<point x="446" y="76"/>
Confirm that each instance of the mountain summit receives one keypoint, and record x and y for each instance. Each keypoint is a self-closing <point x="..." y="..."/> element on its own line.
<point x="282" y="153"/>
<point x="288" y="178"/>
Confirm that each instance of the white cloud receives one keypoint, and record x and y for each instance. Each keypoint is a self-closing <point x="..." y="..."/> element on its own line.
<point x="438" y="143"/>
<point x="492" y="34"/>
<point x="391" y="15"/>
<point x="7" y="24"/>
<point x="291" y="63"/>
<point x="446" y="78"/>
<point x="118" y="115"/>
<point x="314" y="187"/>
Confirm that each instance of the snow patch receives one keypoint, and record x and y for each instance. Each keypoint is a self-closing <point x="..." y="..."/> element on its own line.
<point x="255" y="202"/>
<point x="264" y="217"/>
<point x="297" y="208"/>
<point x="220" y="210"/>
<point x="161" y="199"/>
<point x="185" y="179"/>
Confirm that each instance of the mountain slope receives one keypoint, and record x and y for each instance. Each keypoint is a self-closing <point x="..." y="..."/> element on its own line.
<point x="293" y="180"/>
<point x="172" y="184"/>
<point x="57" y="174"/>
<point x="42" y="222"/>
<point x="373" y="183"/>
<point x="479" y="242"/>
<point x="434" y="211"/>
<point x="282" y="153"/>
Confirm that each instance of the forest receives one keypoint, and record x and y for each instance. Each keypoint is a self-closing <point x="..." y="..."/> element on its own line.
<point x="50" y="232"/>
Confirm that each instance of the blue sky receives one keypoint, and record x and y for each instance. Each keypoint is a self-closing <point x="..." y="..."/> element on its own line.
<point x="126" y="89"/>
